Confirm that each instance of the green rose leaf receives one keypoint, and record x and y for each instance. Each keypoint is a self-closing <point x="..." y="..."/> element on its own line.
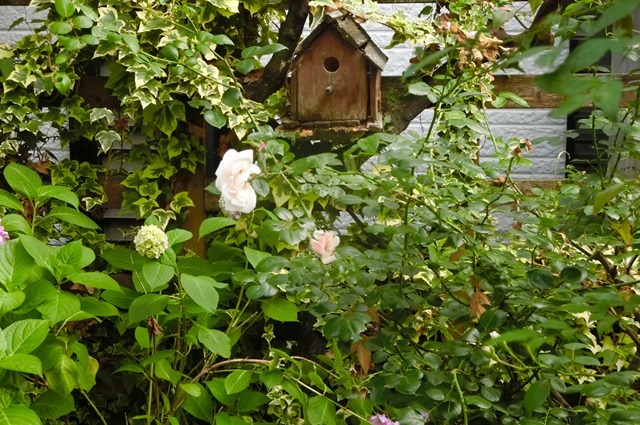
<point x="347" y="327"/>
<point x="281" y="309"/>
<point x="65" y="8"/>
<point x="536" y="395"/>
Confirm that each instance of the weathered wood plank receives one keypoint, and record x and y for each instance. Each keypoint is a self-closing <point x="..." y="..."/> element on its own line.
<point x="15" y="2"/>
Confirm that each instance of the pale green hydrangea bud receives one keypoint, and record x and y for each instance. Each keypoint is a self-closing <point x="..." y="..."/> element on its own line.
<point x="151" y="241"/>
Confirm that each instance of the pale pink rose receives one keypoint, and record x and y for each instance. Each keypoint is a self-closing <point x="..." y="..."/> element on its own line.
<point x="324" y="244"/>
<point x="4" y="236"/>
<point x="233" y="174"/>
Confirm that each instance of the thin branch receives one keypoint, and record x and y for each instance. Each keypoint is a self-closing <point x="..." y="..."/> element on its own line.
<point x="275" y="72"/>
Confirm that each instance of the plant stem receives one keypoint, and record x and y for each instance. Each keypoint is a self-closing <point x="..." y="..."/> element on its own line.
<point x="464" y="406"/>
<point x="93" y="406"/>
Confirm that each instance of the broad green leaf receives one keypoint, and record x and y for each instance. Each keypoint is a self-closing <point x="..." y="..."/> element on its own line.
<point x="22" y="179"/>
<point x="44" y="255"/>
<point x="18" y="415"/>
<point x="536" y="395"/>
<point x="202" y="291"/>
<point x="215" y="341"/>
<point x="146" y="306"/>
<point x="15" y="264"/>
<point x="97" y="308"/>
<point x="191" y="389"/>
<point x="10" y="300"/>
<point x="213" y="224"/>
<point x="8" y="200"/>
<point x="281" y="309"/>
<point x="200" y="407"/>
<point x="164" y="371"/>
<point x="15" y="223"/>
<point x="20" y="362"/>
<point x="26" y="335"/>
<point x="124" y="259"/>
<point x="177" y="236"/>
<point x="216" y="386"/>
<point x="237" y="381"/>
<point x="62" y="375"/>
<point x="65" y="8"/>
<point x="52" y="405"/>
<point x="61" y="307"/>
<point x="72" y="216"/>
<point x="223" y="418"/>
<point x="254" y="256"/>
<point x="156" y="275"/>
<point x="601" y="199"/>
<point x="321" y="411"/>
<point x="249" y="401"/>
<point x="95" y="280"/>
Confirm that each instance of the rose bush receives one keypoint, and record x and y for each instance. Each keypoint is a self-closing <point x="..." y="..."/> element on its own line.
<point x="423" y="308"/>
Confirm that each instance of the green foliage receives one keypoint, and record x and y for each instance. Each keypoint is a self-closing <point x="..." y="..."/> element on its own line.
<point x="428" y="308"/>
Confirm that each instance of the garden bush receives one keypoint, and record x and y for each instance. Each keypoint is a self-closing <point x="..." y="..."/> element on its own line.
<point x="390" y="279"/>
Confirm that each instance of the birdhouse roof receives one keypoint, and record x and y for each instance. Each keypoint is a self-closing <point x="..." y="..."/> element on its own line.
<point x="352" y="33"/>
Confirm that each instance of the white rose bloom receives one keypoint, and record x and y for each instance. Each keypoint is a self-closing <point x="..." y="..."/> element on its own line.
<point x="232" y="180"/>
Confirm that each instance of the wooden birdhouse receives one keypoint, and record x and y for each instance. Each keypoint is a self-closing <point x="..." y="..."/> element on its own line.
<point x="335" y="78"/>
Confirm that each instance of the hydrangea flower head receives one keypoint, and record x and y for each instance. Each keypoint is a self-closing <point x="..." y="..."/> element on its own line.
<point x="382" y="420"/>
<point x="151" y="241"/>
<point x="4" y="236"/>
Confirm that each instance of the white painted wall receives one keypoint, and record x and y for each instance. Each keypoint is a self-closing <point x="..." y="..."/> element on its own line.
<point x="505" y="123"/>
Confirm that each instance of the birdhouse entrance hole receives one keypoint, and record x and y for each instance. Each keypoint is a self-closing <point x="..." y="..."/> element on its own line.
<point x="331" y="64"/>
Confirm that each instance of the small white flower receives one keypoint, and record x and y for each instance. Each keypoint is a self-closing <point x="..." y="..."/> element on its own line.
<point x="324" y="244"/>
<point x="494" y="334"/>
<point x="232" y="180"/>
<point x="151" y="241"/>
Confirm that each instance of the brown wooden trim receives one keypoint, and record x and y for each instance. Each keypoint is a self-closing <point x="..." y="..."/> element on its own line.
<point x="520" y="84"/>
<point x="15" y="2"/>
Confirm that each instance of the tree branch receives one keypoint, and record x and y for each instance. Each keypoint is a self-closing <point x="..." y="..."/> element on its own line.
<point x="275" y="72"/>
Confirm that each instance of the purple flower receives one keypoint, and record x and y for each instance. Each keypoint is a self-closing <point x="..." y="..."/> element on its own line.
<point x="382" y="420"/>
<point x="4" y="236"/>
